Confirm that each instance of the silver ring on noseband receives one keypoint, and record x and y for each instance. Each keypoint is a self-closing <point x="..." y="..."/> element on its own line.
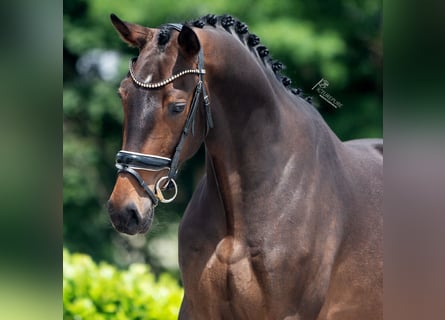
<point x="158" y="190"/>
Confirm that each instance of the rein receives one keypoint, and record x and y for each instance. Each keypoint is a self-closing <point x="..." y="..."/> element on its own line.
<point x="129" y="162"/>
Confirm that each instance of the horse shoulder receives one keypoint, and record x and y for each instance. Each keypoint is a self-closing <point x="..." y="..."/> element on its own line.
<point x="216" y="266"/>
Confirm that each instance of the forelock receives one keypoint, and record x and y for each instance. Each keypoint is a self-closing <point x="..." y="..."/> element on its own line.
<point x="164" y="36"/>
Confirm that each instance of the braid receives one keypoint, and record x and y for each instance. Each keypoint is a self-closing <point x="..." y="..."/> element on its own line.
<point x="230" y="24"/>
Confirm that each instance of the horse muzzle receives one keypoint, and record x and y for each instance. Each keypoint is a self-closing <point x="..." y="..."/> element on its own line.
<point x="130" y="218"/>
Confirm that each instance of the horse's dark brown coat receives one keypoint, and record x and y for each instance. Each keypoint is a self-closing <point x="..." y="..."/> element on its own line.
<point x="287" y="221"/>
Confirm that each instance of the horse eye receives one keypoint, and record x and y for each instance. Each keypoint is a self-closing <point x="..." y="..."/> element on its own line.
<point x="176" y="107"/>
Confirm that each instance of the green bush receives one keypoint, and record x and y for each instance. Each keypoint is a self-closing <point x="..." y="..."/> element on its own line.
<point x="100" y="291"/>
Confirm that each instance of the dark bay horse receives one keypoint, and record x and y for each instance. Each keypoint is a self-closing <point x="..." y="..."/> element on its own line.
<point x="287" y="221"/>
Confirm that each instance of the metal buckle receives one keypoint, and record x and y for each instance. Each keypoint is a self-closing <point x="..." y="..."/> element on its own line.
<point x="158" y="190"/>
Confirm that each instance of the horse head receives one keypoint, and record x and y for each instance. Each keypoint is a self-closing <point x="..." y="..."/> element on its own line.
<point x="161" y="96"/>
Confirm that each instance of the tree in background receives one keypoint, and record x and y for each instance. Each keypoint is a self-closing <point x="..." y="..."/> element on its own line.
<point x="339" y="41"/>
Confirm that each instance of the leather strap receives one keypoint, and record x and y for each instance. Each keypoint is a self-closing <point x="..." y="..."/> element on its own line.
<point x="142" y="161"/>
<point x="141" y="181"/>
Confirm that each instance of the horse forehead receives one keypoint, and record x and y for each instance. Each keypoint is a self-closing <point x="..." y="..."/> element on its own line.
<point x="148" y="68"/>
<point x="155" y="58"/>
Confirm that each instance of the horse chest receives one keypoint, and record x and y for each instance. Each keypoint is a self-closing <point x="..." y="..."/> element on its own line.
<point x="229" y="268"/>
<point x="229" y="279"/>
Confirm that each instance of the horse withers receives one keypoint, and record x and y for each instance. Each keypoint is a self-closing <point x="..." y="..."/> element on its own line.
<point x="287" y="221"/>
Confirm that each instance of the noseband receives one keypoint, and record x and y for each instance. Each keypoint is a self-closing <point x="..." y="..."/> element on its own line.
<point x="129" y="162"/>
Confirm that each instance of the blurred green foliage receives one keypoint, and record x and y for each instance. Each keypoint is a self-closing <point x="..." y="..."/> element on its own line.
<point x="102" y="292"/>
<point x="338" y="40"/>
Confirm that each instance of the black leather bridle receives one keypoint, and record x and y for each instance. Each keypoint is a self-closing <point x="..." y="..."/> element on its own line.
<point x="129" y="162"/>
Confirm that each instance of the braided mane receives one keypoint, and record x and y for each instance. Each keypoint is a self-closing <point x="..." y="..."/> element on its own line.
<point x="231" y="25"/>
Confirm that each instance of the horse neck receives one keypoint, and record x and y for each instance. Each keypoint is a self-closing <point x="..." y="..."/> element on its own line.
<point x="262" y="136"/>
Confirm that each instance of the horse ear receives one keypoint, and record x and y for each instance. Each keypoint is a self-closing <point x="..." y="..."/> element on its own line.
<point x="133" y="34"/>
<point x="188" y="41"/>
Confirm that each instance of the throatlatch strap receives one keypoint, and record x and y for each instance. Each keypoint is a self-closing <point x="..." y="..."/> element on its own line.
<point x="207" y="110"/>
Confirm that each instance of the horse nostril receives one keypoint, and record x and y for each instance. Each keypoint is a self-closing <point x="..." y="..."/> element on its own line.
<point x="133" y="215"/>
